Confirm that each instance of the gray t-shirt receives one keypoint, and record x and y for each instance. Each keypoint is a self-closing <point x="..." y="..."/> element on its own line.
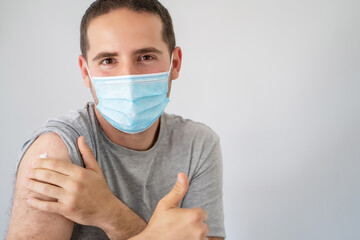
<point x="141" y="178"/>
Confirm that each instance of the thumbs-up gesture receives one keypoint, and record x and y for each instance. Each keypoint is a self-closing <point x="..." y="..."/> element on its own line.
<point x="171" y="222"/>
<point x="79" y="194"/>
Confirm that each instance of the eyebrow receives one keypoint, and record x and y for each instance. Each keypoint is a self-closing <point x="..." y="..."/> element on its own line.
<point x="105" y="55"/>
<point x="148" y="50"/>
<point x="139" y="51"/>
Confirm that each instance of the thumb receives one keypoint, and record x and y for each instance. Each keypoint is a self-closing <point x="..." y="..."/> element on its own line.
<point x="173" y="198"/>
<point x="87" y="155"/>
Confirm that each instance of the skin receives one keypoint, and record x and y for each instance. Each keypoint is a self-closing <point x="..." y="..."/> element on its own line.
<point x="30" y="223"/>
<point x="50" y="192"/>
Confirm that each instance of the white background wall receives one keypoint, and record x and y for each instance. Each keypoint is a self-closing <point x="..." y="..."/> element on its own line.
<point x="277" y="80"/>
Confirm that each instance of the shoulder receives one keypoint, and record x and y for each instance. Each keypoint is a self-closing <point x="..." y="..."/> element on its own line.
<point x="75" y="118"/>
<point x="65" y="130"/>
<point x="50" y="143"/>
<point x="189" y="129"/>
<point x="72" y="125"/>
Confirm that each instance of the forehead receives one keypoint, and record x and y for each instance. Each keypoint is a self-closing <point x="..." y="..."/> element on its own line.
<point x="125" y="30"/>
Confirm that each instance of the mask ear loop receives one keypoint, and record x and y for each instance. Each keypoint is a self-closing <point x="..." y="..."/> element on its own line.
<point x="91" y="81"/>
<point x="87" y="68"/>
<point x="171" y="61"/>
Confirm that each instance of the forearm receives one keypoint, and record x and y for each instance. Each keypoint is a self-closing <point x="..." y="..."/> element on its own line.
<point x="121" y="222"/>
<point x="27" y="223"/>
<point x="148" y="236"/>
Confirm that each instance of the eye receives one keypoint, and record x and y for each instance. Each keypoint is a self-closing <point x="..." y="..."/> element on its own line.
<point x="107" y="61"/>
<point x="146" y="58"/>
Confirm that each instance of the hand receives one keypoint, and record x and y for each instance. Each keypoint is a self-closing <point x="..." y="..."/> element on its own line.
<point x="171" y="222"/>
<point x="82" y="194"/>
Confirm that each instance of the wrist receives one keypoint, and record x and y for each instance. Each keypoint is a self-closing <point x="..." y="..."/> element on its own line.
<point x="144" y="235"/>
<point x="111" y="217"/>
<point x="119" y="221"/>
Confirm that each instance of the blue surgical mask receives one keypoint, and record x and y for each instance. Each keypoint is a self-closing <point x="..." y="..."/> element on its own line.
<point x="132" y="103"/>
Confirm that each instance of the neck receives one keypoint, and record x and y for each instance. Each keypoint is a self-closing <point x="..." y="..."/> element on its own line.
<point x="139" y="141"/>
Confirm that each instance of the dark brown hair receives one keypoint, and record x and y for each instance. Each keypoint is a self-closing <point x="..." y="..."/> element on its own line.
<point x="101" y="7"/>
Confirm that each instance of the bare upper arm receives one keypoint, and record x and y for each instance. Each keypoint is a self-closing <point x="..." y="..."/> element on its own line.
<point x="27" y="222"/>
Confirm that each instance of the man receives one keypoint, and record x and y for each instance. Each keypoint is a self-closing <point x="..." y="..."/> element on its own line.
<point x="108" y="171"/>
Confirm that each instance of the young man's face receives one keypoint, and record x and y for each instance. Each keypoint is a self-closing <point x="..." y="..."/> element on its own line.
<point x="124" y="42"/>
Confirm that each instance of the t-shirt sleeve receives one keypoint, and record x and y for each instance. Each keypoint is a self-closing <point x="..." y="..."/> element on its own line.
<point x="205" y="189"/>
<point x="67" y="133"/>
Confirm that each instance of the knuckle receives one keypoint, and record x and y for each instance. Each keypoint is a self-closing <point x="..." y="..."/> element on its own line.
<point x="30" y="173"/>
<point x="204" y="231"/>
<point x="77" y="187"/>
<point x="68" y="182"/>
<point x="72" y="203"/>
<point x="207" y="230"/>
<point x="32" y="194"/>
<point x="45" y="188"/>
<point x="80" y="174"/>
<point x="205" y="216"/>
<point x="47" y="175"/>
<point x="46" y="207"/>
<point x="72" y="187"/>
<point x="52" y="164"/>
<point x="198" y="233"/>
<point x="30" y="185"/>
<point x="34" y="174"/>
<point x="196" y="215"/>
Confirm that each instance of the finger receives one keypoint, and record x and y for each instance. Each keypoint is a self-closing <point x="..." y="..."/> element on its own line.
<point x="202" y="229"/>
<point x="87" y="155"/>
<point x="207" y="229"/>
<point x="54" y="165"/>
<point x="203" y="213"/>
<point x="46" y="206"/>
<point x="44" y="189"/>
<point x="48" y="176"/>
<point x="173" y="198"/>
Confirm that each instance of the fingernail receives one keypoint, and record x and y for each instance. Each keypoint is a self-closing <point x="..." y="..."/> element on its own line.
<point x="180" y="180"/>
<point x="44" y="155"/>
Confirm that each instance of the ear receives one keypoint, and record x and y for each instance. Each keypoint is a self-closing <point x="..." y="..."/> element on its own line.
<point x="176" y="64"/>
<point x="84" y="72"/>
